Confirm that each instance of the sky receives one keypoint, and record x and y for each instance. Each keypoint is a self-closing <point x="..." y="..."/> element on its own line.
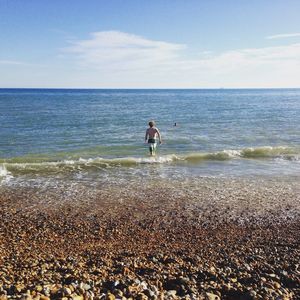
<point x="149" y="44"/>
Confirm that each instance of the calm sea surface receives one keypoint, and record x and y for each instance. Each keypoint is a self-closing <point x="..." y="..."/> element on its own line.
<point x="98" y="135"/>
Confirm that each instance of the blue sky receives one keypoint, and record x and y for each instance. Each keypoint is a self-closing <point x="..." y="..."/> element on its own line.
<point x="150" y="44"/>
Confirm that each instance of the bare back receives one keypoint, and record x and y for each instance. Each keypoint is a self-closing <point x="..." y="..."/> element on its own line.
<point x="152" y="132"/>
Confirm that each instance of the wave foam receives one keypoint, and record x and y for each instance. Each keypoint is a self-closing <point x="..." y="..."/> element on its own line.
<point x="23" y="166"/>
<point x="5" y="175"/>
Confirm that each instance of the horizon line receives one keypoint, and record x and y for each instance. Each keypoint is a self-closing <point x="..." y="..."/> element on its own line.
<point x="152" y="88"/>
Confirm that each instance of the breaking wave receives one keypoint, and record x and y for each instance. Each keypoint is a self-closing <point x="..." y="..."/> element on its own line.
<point x="22" y="165"/>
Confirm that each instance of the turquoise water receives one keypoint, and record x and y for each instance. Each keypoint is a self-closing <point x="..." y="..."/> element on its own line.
<point x="99" y="134"/>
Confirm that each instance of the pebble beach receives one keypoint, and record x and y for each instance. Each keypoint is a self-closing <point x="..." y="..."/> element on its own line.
<point x="231" y="239"/>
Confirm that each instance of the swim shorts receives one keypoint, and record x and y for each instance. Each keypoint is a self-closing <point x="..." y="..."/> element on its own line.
<point x="152" y="145"/>
<point x="151" y="141"/>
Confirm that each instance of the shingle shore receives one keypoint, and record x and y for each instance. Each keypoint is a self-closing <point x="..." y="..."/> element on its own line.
<point x="153" y="246"/>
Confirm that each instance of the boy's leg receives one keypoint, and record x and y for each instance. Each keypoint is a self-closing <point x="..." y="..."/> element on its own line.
<point x="154" y="148"/>
<point x="150" y="149"/>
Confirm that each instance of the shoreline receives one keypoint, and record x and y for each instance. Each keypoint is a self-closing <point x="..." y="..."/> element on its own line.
<point x="152" y="243"/>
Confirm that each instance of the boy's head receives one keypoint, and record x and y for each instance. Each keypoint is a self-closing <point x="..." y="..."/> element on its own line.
<point x="151" y="123"/>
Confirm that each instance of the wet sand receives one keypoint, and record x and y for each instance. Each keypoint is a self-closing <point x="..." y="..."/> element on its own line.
<point x="225" y="240"/>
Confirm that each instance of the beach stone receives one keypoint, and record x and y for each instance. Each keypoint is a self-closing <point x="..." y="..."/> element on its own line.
<point x="86" y="287"/>
<point x="39" y="288"/>
<point x="19" y="287"/>
<point x="67" y="291"/>
<point x="126" y="271"/>
<point x="277" y="285"/>
<point x="80" y="290"/>
<point x="161" y="296"/>
<point x="154" y="289"/>
<point x="71" y="287"/>
<point x="172" y="293"/>
<point x="154" y="259"/>
<point x="210" y="296"/>
<point x="26" y="297"/>
<point x="46" y="291"/>
<point x="142" y="296"/>
<point x="144" y="285"/>
<point x="76" y="297"/>
<point x="110" y="296"/>
<point x="55" y="289"/>
<point x="118" y="293"/>
<point x="263" y="279"/>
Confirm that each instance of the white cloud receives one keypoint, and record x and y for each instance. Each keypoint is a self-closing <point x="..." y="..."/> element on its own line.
<point x="120" y="59"/>
<point x="283" y="35"/>
<point x="119" y="50"/>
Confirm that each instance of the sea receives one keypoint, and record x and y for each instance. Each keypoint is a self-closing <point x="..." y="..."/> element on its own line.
<point x="95" y="137"/>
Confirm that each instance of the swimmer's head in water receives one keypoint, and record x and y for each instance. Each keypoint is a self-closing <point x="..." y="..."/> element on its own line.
<point x="151" y="123"/>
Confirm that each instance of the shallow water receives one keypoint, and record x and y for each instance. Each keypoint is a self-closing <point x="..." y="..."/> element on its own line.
<point x="97" y="135"/>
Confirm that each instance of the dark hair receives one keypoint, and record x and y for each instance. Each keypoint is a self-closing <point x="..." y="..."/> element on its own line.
<point x="151" y="123"/>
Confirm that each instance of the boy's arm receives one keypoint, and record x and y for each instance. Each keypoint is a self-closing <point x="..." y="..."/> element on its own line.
<point x="159" y="136"/>
<point x="146" y="135"/>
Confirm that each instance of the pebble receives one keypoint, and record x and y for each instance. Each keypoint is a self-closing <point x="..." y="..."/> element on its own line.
<point x="38" y="288"/>
<point x="172" y="293"/>
<point x="263" y="279"/>
<point x="76" y="297"/>
<point x="277" y="285"/>
<point x="110" y="296"/>
<point x="210" y="296"/>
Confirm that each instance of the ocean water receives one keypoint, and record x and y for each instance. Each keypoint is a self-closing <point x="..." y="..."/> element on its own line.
<point x="97" y="136"/>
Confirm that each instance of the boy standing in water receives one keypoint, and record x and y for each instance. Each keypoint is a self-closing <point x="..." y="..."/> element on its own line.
<point x="150" y="136"/>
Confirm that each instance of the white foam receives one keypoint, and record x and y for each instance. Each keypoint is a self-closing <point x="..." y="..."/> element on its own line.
<point x="69" y="162"/>
<point x="5" y="176"/>
<point x="233" y="153"/>
<point x="130" y="160"/>
<point x="158" y="159"/>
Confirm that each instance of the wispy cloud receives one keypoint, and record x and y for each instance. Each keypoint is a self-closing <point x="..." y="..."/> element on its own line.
<point x="114" y="49"/>
<point x="283" y="36"/>
<point x="12" y="62"/>
<point x="121" y="57"/>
